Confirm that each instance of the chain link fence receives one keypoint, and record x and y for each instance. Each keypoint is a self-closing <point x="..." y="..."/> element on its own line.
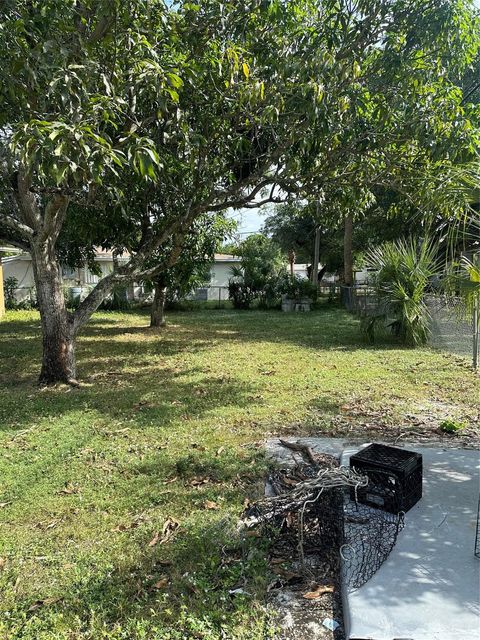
<point x="454" y="328"/>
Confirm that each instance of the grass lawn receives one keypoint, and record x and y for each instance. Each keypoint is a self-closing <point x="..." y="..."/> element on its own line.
<point x="119" y="500"/>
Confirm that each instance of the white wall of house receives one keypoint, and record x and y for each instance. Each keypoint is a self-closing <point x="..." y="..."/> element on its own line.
<point x="300" y="270"/>
<point x="20" y="268"/>
<point x="220" y="274"/>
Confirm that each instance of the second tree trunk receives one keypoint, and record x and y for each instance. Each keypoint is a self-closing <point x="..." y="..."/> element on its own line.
<point x="157" y="314"/>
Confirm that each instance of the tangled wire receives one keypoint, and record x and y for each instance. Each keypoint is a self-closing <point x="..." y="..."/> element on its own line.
<point x="317" y="511"/>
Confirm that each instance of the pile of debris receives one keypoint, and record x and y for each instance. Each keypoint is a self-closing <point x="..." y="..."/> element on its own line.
<point x="318" y="533"/>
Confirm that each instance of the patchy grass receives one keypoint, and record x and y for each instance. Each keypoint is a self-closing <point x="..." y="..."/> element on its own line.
<point x="165" y="426"/>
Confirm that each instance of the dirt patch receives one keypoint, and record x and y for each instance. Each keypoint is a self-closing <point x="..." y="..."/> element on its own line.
<point x="422" y="424"/>
<point x="305" y="589"/>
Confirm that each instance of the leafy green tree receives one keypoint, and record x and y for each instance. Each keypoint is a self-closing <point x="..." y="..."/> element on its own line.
<point x="192" y="269"/>
<point x="121" y="123"/>
<point x="294" y="225"/>
<point x="257" y="275"/>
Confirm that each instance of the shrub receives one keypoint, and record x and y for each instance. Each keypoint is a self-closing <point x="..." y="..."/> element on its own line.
<point x="295" y="287"/>
<point x="72" y="301"/>
<point x="240" y="294"/>
<point x="452" y="426"/>
<point x="10" y="285"/>
<point x="403" y="270"/>
<point x="117" y="300"/>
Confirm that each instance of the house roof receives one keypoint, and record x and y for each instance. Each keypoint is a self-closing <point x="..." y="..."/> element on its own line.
<point x="100" y="254"/>
<point x="106" y="255"/>
<point x="18" y="256"/>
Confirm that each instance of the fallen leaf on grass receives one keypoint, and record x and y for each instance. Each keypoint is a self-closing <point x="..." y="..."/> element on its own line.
<point x="69" y="489"/>
<point x="161" y="584"/>
<point x="3" y="562"/>
<point x="168" y="529"/>
<point x="43" y="603"/>
<point x="5" y="504"/>
<point x="209" y="504"/>
<point x="144" y="404"/>
<point x="197" y="481"/>
<point x="316" y="593"/>
<point x="121" y="527"/>
<point x="286" y="574"/>
<point x="170" y="480"/>
<point x="163" y="563"/>
<point x="220" y="451"/>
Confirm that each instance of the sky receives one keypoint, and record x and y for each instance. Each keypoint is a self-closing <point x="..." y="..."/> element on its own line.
<point x="249" y="220"/>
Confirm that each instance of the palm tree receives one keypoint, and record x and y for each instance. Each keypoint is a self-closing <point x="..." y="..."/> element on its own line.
<point x="403" y="271"/>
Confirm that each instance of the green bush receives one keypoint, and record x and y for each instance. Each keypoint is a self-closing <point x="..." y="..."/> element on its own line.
<point x="257" y="277"/>
<point x="241" y="294"/>
<point x="117" y="300"/>
<point x="403" y="270"/>
<point x="296" y="288"/>
<point x="10" y="285"/>
<point x="452" y="426"/>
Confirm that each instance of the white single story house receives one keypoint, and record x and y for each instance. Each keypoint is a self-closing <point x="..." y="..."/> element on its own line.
<point x="220" y="273"/>
<point x="81" y="279"/>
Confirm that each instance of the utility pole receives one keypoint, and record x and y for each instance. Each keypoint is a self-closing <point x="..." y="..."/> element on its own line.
<point x="347" y="251"/>
<point x="316" y="255"/>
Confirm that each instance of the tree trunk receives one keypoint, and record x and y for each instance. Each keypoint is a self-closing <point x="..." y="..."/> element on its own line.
<point x="157" y="313"/>
<point x="58" y="360"/>
<point x="348" y="252"/>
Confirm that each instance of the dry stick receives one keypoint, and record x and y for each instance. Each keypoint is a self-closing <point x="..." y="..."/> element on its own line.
<point x="301" y="448"/>
<point x="340" y="477"/>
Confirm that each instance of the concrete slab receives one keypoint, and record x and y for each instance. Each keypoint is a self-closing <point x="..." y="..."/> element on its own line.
<point x="429" y="587"/>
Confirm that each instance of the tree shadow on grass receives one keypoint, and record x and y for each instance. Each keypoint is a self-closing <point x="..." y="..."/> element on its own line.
<point x="117" y="363"/>
<point x="131" y="587"/>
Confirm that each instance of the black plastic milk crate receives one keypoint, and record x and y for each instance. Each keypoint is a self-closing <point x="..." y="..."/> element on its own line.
<point x="395" y="477"/>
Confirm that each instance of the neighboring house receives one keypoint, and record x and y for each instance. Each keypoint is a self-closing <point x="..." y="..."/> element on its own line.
<point x="220" y="273"/>
<point x="78" y="280"/>
<point x="361" y="276"/>
<point x="302" y="270"/>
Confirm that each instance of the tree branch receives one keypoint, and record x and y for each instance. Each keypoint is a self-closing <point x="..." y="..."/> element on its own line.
<point x="54" y="217"/>
<point x="24" y="232"/>
<point x="27" y="204"/>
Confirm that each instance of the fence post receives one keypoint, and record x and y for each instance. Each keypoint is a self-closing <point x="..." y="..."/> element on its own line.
<point x="476" y="330"/>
